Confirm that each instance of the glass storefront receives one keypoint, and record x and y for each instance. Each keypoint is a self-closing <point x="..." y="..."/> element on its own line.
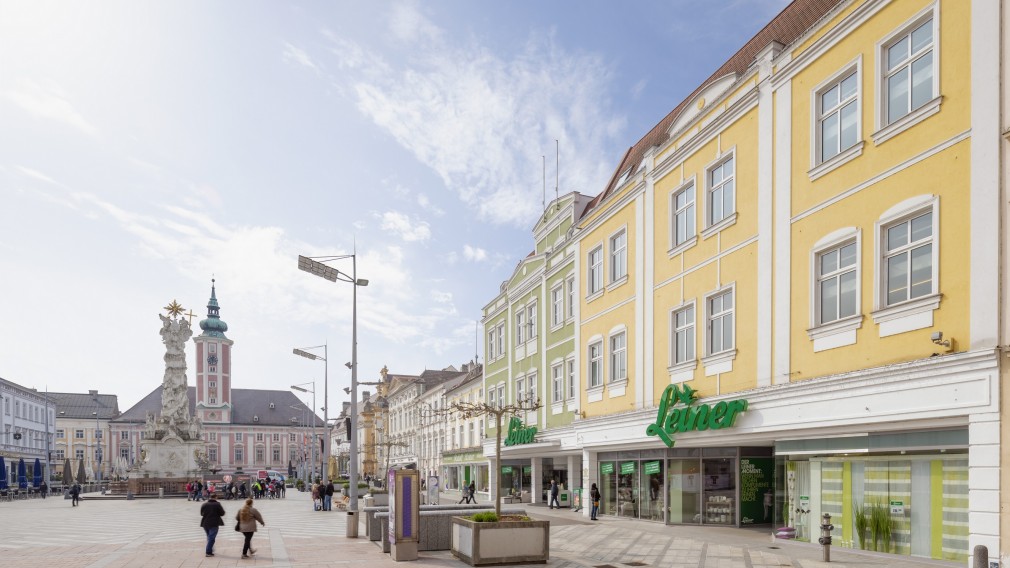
<point x="551" y="471"/>
<point x="715" y="486"/>
<point x="516" y="477"/>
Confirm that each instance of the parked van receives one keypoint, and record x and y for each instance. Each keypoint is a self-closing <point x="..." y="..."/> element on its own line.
<point x="269" y="474"/>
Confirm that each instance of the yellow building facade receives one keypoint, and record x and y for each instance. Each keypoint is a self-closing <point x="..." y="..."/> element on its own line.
<point x="789" y="298"/>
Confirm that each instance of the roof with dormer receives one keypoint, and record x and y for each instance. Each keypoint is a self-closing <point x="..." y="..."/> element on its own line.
<point x="250" y="407"/>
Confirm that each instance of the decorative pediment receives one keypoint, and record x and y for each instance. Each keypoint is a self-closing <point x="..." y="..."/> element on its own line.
<point x="701" y="102"/>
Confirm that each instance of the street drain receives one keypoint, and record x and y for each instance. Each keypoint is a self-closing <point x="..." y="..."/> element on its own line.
<point x="773" y="547"/>
<point x="635" y="563"/>
<point x="605" y="566"/>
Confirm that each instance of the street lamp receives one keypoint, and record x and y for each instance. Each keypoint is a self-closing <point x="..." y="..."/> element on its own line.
<point x="303" y="423"/>
<point x="312" y="415"/>
<point x="326" y="400"/>
<point x="98" y="449"/>
<point x="332" y="274"/>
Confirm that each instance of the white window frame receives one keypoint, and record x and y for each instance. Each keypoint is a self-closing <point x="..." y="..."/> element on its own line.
<point x="594" y="272"/>
<point x="618" y="256"/>
<point x="713" y="226"/>
<point x="570" y="374"/>
<point x="501" y="339"/>
<point x="690" y="331"/>
<point x="557" y="305"/>
<point x="888" y="129"/>
<point x="491" y="342"/>
<point x="492" y="400"/>
<point x="531" y="386"/>
<point x="595" y="365"/>
<point x="820" y="278"/>
<point x="839" y="332"/>
<point x="558" y="382"/>
<point x="520" y="323"/>
<point x="531" y="320"/>
<point x="618" y="357"/>
<point x="710" y="317"/>
<point x="501" y="394"/>
<point x="519" y="390"/>
<point x="908" y="209"/>
<point x="570" y="285"/>
<point x="690" y="210"/>
<point x="819" y="167"/>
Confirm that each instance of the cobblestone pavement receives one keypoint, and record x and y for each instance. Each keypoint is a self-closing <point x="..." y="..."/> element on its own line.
<point x="166" y="533"/>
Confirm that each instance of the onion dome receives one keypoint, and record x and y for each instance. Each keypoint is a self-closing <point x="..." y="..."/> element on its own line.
<point x="213" y="326"/>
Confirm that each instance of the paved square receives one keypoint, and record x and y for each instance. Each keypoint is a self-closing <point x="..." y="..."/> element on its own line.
<point x="103" y="533"/>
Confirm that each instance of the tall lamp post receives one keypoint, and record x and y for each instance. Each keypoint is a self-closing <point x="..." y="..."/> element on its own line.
<point x="326" y="401"/>
<point x="312" y="416"/>
<point x="98" y="449"/>
<point x="317" y="268"/>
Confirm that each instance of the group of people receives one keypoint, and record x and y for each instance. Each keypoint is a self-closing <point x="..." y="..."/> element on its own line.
<point x="270" y="488"/>
<point x="212" y="518"/>
<point x="469" y="494"/>
<point x="322" y="496"/>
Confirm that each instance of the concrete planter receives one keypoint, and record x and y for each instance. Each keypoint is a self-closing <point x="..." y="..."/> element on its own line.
<point x="380" y="499"/>
<point x="508" y="542"/>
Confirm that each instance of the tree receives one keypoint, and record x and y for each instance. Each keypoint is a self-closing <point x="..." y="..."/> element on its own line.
<point x="467" y="410"/>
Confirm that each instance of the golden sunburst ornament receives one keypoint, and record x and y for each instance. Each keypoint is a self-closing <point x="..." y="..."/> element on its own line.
<point x="174" y="309"/>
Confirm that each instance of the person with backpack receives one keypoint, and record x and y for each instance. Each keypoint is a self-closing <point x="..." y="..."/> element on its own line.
<point x="594" y="494"/>
<point x="75" y="494"/>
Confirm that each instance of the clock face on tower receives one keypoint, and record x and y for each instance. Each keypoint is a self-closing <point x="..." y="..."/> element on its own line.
<point x="212" y="360"/>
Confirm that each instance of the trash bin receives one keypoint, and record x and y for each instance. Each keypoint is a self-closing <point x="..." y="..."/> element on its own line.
<point x="369" y="501"/>
<point x="352" y="524"/>
<point x="161" y="493"/>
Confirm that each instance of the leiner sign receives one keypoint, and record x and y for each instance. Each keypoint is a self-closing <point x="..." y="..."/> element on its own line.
<point x="671" y="419"/>
<point x="519" y="434"/>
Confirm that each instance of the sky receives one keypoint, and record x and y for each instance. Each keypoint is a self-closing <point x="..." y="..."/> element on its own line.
<point x="148" y="147"/>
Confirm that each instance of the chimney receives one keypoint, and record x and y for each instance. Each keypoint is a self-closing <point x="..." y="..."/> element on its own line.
<point x="93" y="393"/>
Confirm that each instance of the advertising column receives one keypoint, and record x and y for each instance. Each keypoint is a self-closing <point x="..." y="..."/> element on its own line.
<point x="404" y="495"/>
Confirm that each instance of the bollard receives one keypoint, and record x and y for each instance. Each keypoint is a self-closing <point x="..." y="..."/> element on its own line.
<point x="161" y="493"/>
<point x="825" y="540"/>
<point x="980" y="556"/>
<point x="352" y="524"/>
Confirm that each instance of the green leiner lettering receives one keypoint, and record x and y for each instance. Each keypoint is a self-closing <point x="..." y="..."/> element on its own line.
<point x="671" y="419"/>
<point x="715" y="419"/>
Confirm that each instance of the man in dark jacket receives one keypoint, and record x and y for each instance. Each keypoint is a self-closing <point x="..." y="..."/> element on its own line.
<point x="211" y="514"/>
<point x="554" y="495"/>
<point x="75" y="494"/>
<point x="328" y="501"/>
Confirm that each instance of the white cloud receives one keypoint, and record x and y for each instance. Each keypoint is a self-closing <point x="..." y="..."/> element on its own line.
<point x="441" y="297"/>
<point x="428" y="206"/>
<point x="299" y="56"/>
<point x="481" y="121"/>
<point x="48" y="103"/>
<point x="404" y="227"/>
<point x="410" y="26"/>
<point x="474" y="254"/>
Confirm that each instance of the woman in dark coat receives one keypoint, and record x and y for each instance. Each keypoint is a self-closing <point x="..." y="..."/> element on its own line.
<point x="211" y="514"/>
<point x="594" y="494"/>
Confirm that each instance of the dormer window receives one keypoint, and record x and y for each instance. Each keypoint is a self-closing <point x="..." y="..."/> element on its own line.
<point x="256" y="418"/>
<point x="272" y="406"/>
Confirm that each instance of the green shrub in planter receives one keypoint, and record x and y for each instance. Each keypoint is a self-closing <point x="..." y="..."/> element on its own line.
<point x="485" y="517"/>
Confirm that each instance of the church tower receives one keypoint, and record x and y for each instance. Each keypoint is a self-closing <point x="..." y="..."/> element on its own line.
<point x="213" y="366"/>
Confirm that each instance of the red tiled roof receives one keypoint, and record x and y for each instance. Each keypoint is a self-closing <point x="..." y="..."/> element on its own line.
<point x="786" y="27"/>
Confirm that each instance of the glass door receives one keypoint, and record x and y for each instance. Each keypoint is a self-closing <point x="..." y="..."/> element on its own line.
<point x="651" y="491"/>
<point x="608" y="489"/>
<point x="684" y="485"/>
<point x="628" y="490"/>
<point x="719" y="475"/>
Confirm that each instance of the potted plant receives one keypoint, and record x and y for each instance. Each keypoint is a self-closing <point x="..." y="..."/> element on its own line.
<point x="859" y="517"/>
<point x="880" y="527"/>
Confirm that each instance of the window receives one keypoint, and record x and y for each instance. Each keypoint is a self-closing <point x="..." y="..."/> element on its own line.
<point x="838" y="116"/>
<point x="59" y="455"/>
<point x="571" y="378"/>
<point x="618" y="256"/>
<point x="259" y="436"/>
<point x="277" y="437"/>
<point x="519" y="392"/>
<point x="557" y="380"/>
<point x="124" y="453"/>
<point x="501" y="395"/>
<point x="595" y="280"/>
<point x="276" y="454"/>
<point x="531" y="387"/>
<point x="491" y="342"/>
<point x="238" y="455"/>
<point x="212" y="384"/>
<point x="619" y="357"/>
<point x="520" y="324"/>
<point x="213" y="436"/>
<point x="491" y="397"/>
<point x="531" y="319"/>
<point x="682" y="204"/>
<point x="259" y="455"/>
<point x="721" y="202"/>
<point x="212" y="455"/>
<point x="683" y="335"/>
<point x="908" y="258"/>
<point x="837" y="283"/>
<point x="124" y="435"/>
<point x="213" y="400"/>
<point x="79" y="434"/>
<point x="238" y="436"/>
<point x="501" y="339"/>
<point x="570" y="283"/>
<point x="557" y="306"/>
<point x="291" y="437"/>
<point x="59" y="433"/>
<point x="720" y="322"/>
<point x="470" y="436"/>
<point x="79" y="454"/>
<point x="909" y="74"/>
<point x="98" y="434"/>
<point x="595" y="364"/>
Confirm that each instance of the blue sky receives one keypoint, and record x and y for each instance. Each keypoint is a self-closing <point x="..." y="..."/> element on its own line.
<point x="147" y="146"/>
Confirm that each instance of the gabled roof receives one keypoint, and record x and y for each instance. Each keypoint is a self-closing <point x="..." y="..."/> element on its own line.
<point x="246" y="404"/>
<point x="82" y="405"/>
<point x="786" y="27"/>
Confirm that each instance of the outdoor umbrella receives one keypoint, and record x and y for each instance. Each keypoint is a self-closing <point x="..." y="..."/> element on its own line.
<point x="22" y="474"/>
<point x="37" y="474"/>
<point x="68" y="472"/>
<point x="3" y="474"/>
<point x="81" y="478"/>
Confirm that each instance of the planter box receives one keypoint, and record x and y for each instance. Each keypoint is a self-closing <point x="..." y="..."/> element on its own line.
<point x="509" y="542"/>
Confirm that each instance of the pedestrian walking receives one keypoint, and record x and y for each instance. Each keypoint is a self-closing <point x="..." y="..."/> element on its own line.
<point x="211" y="519"/>
<point x="247" y="518"/>
<point x="554" y="495"/>
<point x="594" y="494"/>
<point x="466" y="495"/>
<point x="75" y="494"/>
<point x="44" y="488"/>
<point x="472" y="493"/>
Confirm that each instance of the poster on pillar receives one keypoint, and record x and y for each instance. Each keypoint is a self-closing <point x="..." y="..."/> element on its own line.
<point x="404" y="496"/>
<point x="757" y="494"/>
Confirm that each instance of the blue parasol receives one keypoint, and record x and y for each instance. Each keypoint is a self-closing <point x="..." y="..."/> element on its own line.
<point x="3" y="474"/>
<point x="37" y="474"/>
<point x="22" y="474"/>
